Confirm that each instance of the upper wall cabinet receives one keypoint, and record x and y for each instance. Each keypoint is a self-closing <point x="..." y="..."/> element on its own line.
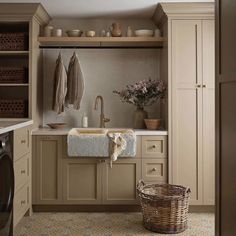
<point x="20" y="67"/>
<point x="189" y="54"/>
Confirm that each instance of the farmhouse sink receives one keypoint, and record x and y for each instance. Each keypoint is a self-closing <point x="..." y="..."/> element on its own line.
<point x="94" y="142"/>
<point x="91" y="131"/>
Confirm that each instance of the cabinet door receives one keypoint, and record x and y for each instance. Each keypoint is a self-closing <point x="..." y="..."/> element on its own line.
<point x="22" y="142"/>
<point x="81" y="181"/>
<point x="48" y="169"/>
<point x="208" y="139"/>
<point x="154" y="170"/>
<point x="119" y="182"/>
<point x="186" y="105"/>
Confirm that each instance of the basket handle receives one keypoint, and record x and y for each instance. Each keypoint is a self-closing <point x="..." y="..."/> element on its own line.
<point x="140" y="184"/>
<point x="188" y="190"/>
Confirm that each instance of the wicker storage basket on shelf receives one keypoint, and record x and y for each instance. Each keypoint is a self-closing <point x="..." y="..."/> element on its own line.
<point x="10" y="75"/>
<point x="13" y="41"/>
<point x="16" y="108"/>
<point x="164" y="207"/>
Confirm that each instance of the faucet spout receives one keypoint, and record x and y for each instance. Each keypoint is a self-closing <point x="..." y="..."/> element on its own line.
<point x="102" y="116"/>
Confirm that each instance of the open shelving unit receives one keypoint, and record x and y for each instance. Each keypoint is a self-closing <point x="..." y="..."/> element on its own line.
<point x="11" y="91"/>
<point x="46" y="42"/>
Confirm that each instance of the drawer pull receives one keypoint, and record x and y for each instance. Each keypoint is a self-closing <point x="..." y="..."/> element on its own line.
<point x="154" y="146"/>
<point x="23" y="141"/>
<point x="154" y="169"/>
<point x="23" y="172"/>
<point x="23" y="202"/>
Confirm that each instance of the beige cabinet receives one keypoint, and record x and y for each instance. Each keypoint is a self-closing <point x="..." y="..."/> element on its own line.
<point x="154" y="170"/>
<point x="119" y="182"/>
<point x="22" y="171"/>
<point x="82" y="181"/>
<point x="47" y="170"/>
<point x="208" y="111"/>
<point x="62" y="180"/>
<point x="189" y="54"/>
<point x="21" y="203"/>
<point x="193" y="108"/>
<point x="154" y="146"/>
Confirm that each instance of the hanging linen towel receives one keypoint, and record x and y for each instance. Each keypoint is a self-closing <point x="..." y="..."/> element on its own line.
<point x="75" y="83"/>
<point x="117" y="146"/>
<point x="60" y="86"/>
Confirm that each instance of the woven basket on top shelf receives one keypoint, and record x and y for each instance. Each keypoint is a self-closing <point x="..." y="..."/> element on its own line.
<point x="11" y="75"/>
<point x="164" y="207"/>
<point x="13" y="41"/>
<point x="14" y="108"/>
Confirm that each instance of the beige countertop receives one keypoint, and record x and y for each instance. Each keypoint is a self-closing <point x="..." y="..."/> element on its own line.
<point x="7" y="126"/>
<point x="49" y="131"/>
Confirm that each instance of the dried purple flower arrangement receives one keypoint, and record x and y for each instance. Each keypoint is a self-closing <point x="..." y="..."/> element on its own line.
<point x="143" y="93"/>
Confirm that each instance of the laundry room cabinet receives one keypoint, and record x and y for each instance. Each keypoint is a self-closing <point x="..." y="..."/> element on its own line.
<point x="74" y="181"/>
<point x="191" y="106"/>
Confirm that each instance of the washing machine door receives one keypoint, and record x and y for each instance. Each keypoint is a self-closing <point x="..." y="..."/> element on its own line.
<point x="6" y="193"/>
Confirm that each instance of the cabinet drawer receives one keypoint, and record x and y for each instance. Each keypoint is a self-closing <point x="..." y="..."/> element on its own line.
<point x="21" y="169"/>
<point x="21" y="204"/>
<point x="154" y="146"/>
<point x="154" y="170"/>
<point x="21" y="142"/>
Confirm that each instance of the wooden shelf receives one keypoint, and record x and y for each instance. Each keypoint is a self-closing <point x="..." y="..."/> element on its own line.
<point x="13" y="85"/>
<point x="101" y="41"/>
<point x="14" y="53"/>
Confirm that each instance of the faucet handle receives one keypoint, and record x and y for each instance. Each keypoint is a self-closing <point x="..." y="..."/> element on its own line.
<point x="106" y="119"/>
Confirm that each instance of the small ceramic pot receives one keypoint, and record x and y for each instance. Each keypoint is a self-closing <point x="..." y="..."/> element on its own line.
<point x="58" y="33"/>
<point x="157" y="33"/>
<point x="48" y="31"/>
<point x="90" y="33"/>
<point x="139" y="116"/>
<point x="116" y="30"/>
<point x="129" y="32"/>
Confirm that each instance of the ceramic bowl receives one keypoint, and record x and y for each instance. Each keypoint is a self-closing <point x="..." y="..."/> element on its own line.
<point x="90" y="33"/>
<point x="143" y="33"/>
<point x="74" y="33"/>
<point x="152" y="124"/>
<point x="57" y="125"/>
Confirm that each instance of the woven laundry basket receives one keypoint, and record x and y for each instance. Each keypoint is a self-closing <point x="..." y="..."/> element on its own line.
<point x="164" y="207"/>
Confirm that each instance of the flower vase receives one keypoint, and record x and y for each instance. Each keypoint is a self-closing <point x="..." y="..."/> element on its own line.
<point x="139" y="116"/>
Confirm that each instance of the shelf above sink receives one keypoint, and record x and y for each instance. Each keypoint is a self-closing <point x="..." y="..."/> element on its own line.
<point x="101" y="42"/>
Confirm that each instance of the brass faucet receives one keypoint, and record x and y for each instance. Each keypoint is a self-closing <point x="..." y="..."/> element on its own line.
<point x="103" y="120"/>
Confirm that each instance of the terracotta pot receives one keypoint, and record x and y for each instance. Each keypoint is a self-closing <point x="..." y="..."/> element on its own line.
<point x="139" y="116"/>
<point x="116" y="30"/>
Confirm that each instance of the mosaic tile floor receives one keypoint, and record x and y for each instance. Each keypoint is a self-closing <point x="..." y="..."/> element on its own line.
<point x="103" y="224"/>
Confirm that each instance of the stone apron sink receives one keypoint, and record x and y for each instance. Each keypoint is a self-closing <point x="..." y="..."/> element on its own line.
<point x="95" y="142"/>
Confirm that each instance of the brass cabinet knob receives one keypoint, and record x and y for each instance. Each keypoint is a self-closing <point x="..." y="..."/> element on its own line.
<point x="204" y="86"/>
<point x="154" y="169"/>
<point x="154" y="146"/>
<point x="198" y="86"/>
<point x="106" y="119"/>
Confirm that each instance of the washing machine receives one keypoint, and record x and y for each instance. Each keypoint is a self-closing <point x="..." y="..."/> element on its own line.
<point x="6" y="185"/>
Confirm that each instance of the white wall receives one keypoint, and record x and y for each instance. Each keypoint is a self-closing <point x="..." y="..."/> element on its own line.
<point x="104" y="71"/>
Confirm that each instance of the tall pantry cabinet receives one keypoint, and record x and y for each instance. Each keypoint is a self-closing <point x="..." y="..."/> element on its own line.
<point x="189" y="51"/>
